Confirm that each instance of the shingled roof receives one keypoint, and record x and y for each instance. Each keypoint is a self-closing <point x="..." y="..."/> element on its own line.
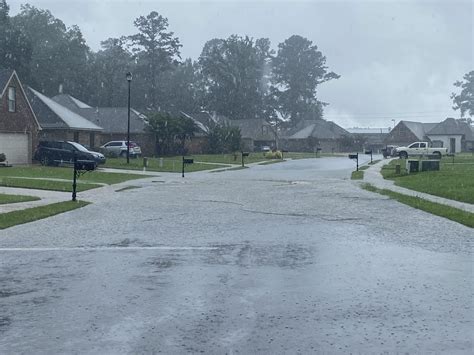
<point x="319" y="128"/>
<point x="52" y="115"/>
<point x="451" y="126"/>
<point x="111" y="119"/>
<point x="419" y="129"/>
<point x="5" y="76"/>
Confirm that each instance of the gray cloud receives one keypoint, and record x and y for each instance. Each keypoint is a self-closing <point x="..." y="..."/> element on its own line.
<point x="397" y="59"/>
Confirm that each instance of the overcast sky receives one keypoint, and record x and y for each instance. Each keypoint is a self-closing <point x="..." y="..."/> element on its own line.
<point x="397" y="59"/>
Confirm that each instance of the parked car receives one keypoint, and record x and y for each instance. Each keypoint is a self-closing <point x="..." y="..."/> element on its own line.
<point x="390" y="151"/>
<point x="265" y="148"/>
<point x="119" y="149"/>
<point x="420" y="148"/>
<point x="57" y="152"/>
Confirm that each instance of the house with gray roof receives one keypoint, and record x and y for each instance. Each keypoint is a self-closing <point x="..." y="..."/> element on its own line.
<point x="19" y="126"/>
<point x="407" y="132"/>
<point x="456" y="135"/>
<point x="60" y="123"/>
<point x="309" y="135"/>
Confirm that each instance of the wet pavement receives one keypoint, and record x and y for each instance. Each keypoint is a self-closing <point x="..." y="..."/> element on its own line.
<point x="282" y="258"/>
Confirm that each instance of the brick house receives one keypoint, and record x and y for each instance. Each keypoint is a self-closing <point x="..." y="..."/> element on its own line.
<point x="19" y="126"/>
<point x="309" y="135"/>
<point x="407" y="132"/>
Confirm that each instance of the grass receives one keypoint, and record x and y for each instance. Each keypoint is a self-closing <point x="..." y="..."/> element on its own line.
<point x="36" y="177"/>
<point x="170" y="165"/>
<point x="33" y="214"/>
<point x="40" y="184"/>
<point x="452" y="181"/>
<point x="454" y="214"/>
<point x="357" y="175"/>
<point x="5" y="199"/>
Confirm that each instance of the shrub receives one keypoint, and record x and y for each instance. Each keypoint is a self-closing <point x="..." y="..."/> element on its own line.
<point x="2" y="157"/>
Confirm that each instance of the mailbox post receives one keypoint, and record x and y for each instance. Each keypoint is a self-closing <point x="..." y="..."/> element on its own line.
<point x="369" y="152"/>
<point x="185" y="162"/>
<point x="244" y="154"/>
<point x="283" y="151"/>
<point x="80" y="167"/>
<point x="356" y="157"/>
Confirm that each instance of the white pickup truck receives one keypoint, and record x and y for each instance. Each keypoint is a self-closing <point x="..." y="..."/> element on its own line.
<point x="420" y="148"/>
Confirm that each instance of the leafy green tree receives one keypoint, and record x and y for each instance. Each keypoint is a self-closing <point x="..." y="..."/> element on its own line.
<point x="223" y="139"/>
<point x="59" y="54"/>
<point x="234" y="74"/>
<point x="180" y="88"/>
<point x="15" y="47"/>
<point x="464" y="101"/>
<point x="298" y="69"/>
<point x="156" y="50"/>
<point x="171" y="132"/>
<point x="108" y="86"/>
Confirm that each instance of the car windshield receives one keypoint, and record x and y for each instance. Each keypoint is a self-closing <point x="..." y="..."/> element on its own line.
<point x="79" y="146"/>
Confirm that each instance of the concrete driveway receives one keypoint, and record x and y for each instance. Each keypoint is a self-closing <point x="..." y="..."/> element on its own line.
<point x="283" y="258"/>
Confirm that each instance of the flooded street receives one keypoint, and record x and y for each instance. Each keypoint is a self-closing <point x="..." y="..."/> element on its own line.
<point x="284" y="258"/>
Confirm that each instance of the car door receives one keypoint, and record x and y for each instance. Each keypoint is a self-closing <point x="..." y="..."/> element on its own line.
<point x="67" y="151"/>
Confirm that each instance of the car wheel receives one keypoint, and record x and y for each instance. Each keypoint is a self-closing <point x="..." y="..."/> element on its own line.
<point x="437" y="154"/>
<point x="44" y="160"/>
<point x="403" y="155"/>
<point x="123" y="154"/>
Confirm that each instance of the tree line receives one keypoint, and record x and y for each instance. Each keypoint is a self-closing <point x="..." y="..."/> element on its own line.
<point x="239" y="77"/>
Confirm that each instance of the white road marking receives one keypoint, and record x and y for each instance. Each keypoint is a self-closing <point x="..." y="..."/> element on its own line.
<point x="114" y="248"/>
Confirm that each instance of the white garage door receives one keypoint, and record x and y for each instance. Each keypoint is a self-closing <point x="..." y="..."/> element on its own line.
<point x="15" y="146"/>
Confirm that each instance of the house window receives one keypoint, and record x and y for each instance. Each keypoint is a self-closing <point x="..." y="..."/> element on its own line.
<point x="11" y="99"/>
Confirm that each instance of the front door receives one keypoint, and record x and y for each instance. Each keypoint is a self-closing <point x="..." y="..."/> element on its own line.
<point x="452" y="145"/>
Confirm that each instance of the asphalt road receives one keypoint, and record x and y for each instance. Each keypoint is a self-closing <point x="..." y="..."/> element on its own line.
<point x="283" y="258"/>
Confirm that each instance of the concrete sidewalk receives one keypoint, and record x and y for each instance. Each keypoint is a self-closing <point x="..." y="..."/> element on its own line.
<point x="47" y="197"/>
<point x="373" y="176"/>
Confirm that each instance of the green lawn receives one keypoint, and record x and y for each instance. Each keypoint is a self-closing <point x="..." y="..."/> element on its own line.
<point x="10" y="219"/>
<point x="170" y="164"/>
<point x="36" y="177"/>
<point x="4" y="198"/>
<point x="453" y="181"/>
<point x="357" y="175"/>
<point x="451" y="213"/>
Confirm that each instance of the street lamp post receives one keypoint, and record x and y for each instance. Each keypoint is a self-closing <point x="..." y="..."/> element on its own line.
<point x="129" y="79"/>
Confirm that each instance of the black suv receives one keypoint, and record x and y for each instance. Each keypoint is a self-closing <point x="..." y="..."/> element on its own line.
<point x="57" y="152"/>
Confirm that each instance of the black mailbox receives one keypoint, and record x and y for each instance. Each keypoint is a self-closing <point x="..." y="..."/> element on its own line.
<point x="85" y="165"/>
<point x="319" y="149"/>
<point x="368" y="152"/>
<point x="284" y="151"/>
<point x="353" y="156"/>
<point x="245" y="154"/>
<point x="188" y="161"/>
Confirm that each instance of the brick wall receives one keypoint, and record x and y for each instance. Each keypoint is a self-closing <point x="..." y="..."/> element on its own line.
<point x="20" y="121"/>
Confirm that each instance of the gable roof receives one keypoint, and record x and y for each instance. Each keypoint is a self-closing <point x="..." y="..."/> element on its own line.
<point x="5" y="77"/>
<point x="52" y="115"/>
<point x="70" y="102"/>
<point x="451" y="126"/>
<point x="111" y="119"/>
<point x="256" y="129"/>
<point x="319" y="128"/>
<point x="419" y="129"/>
